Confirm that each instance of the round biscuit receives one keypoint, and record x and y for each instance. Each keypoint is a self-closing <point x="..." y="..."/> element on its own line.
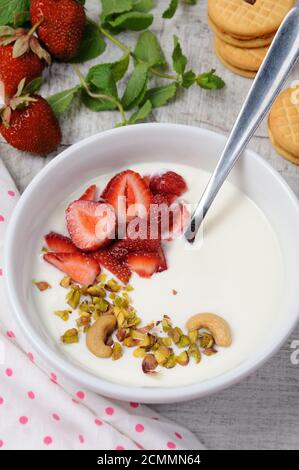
<point x="287" y="155"/>
<point x="241" y="18"/>
<point x="283" y="121"/>
<point x="236" y="70"/>
<point x="244" y="59"/>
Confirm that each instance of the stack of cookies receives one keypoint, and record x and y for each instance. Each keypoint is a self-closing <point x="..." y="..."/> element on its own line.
<point x="244" y="29"/>
<point x="283" y="124"/>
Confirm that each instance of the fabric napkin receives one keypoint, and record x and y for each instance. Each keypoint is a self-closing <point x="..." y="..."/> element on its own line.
<point x="41" y="409"/>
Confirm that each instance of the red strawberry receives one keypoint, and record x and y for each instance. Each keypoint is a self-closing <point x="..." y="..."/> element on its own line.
<point x="168" y="183"/>
<point x="163" y="263"/>
<point x="179" y="219"/>
<point x="21" y="56"/>
<point x="130" y="185"/>
<point x="90" y="224"/>
<point x="30" y="125"/>
<point x="80" y="267"/>
<point x="115" y="266"/>
<point x="90" y="193"/>
<point x="122" y="248"/>
<point x="144" y="264"/>
<point x="147" y="179"/>
<point x="62" y="27"/>
<point x="162" y="198"/>
<point x="60" y="244"/>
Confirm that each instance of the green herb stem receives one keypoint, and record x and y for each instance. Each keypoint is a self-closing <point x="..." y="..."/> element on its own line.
<point x="101" y="96"/>
<point x="115" y="41"/>
<point x="164" y="75"/>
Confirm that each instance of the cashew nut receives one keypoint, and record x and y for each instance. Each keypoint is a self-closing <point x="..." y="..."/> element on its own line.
<point x="216" y="325"/>
<point x="97" y="335"/>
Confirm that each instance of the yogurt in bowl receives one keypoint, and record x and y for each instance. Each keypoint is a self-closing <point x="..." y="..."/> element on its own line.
<point x="242" y="270"/>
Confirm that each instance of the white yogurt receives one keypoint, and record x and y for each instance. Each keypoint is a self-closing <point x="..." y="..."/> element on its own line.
<point x="237" y="273"/>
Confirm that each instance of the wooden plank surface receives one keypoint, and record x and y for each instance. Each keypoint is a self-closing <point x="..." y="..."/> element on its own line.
<point x="263" y="410"/>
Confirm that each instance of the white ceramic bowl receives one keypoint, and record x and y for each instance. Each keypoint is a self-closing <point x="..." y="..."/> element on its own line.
<point x="105" y="153"/>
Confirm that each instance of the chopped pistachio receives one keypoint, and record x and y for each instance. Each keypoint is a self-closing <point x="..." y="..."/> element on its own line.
<point x="44" y="249"/>
<point x="129" y="288"/>
<point x="113" y="286"/>
<point x="148" y="341"/>
<point x="101" y="277"/>
<point x="206" y="340"/>
<point x="165" y="341"/>
<point x="183" y="359"/>
<point x="135" y="334"/>
<point x="73" y="297"/>
<point x="175" y="334"/>
<point x="162" y="355"/>
<point x="42" y="285"/>
<point x="210" y="351"/>
<point x="193" y="336"/>
<point x="63" y="314"/>
<point x="166" y="324"/>
<point x="130" y="342"/>
<point x="139" y="352"/>
<point x="184" y="341"/>
<point x="171" y="363"/>
<point x="84" y="320"/>
<point x="66" y="281"/>
<point x="117" y="352"/>
<point x="149" y="364"/>
<point x="147" y="328"/>
<point x="96" y="291"/>
<point x="101" y="305"/>
<point x="194" y="352"/>
<point x="122" y="333"/>
<point x="70" y="336"/>
<point x="84" y="306"/>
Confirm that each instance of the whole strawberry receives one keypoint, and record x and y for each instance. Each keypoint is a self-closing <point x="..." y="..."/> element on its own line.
<point x="29" y="124"/>
<point x="21" y="56"/>
<point x="62" y="27"/>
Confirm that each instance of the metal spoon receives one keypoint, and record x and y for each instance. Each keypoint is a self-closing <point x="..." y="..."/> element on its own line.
<point x="280" y="60"/>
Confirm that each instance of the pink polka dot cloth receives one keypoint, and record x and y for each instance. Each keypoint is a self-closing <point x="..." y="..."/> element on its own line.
<point x="41" y="409"/>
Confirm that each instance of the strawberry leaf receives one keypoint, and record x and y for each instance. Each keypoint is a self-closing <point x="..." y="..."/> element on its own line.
<point x="136" y="87"/>
<point x="62" y="100"/>
<point x="120" y="67"/>
<point x="133" y="20"/>
<point x="111" y="8"/>
<point x="143" y="5"/>
<point x="14" y="12"/>
<point x="92" y="45"/>
<point x="101" y="80"/>
<point x="170" y="11"/>
<point x="148" y="50"/>
<point x="142" y="113"/>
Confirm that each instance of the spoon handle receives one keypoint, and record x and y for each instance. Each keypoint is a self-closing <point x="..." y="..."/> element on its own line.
<point x="269" y="81"/>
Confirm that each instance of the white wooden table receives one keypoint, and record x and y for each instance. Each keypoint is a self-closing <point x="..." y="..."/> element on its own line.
<point x="262" y="412"/>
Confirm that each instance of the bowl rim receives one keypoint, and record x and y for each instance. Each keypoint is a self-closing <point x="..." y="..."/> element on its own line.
<point x="88" y="379"/>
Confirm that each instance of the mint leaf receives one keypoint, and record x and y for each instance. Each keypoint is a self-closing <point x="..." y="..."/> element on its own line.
<point x="161" y="95"/>
<point x="14" y="12"/>
<point x="188" y="79"/>
<point x="100" y="80"/>
<point x="172" y="8"/>
<point x="33" y="86"/>
<point x="92" y="44"/>
<point x="210" y="81"/>
<point x="136" y="87"/>
<point x="111" y="8"/>
<point x="143" y="5"/>
<point x="62" y="100"/>
<point x="178" y="58"/>
<point x="133" y="20"/>
<point x="120" y="67"/>
<point x="142" y="113"/>
<point x="148" y="50"/>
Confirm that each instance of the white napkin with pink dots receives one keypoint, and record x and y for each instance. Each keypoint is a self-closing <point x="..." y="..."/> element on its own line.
<point x="41" y="409"/>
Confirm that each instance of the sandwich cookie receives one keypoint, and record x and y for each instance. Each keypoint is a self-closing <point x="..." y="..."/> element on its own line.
<point x="283" y="124"/>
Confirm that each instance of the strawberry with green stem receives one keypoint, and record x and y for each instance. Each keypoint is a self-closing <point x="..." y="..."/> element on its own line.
<point x="29" y="124"/>
<point x="21" y="56"/>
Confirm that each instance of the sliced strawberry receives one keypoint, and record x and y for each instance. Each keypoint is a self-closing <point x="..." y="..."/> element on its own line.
<point x="122" y="248"/>
<point x="144" y="264"/>
<point x="90" y="224"/>
<point x="179" y="220"/>
<point x="147" y="179"/>
<point x="60" y="244"/>
<point x="112" y="264"/>
<point x="168" y="183"/>
<point x="80" y="267"/>
<point x="163" y="198"/>
<point x="90" y="194"/>
<point x="130" y="186"/>
<point x="159" y="217"/>
<point x="163" y="263"/>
